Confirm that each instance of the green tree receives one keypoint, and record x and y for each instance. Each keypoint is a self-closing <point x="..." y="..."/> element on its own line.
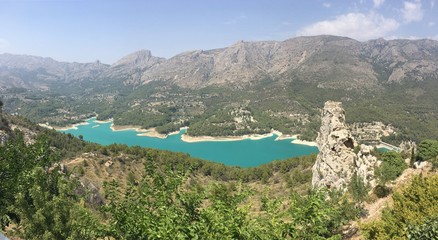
<point x="427" y="149"/>
<point x="38" y="197"/>
<point x="157" y="208"/>
<point x="48" y="208"/>
<point x="16" y="161"/>
<point x="319" y="215"/>
<point x="392" y="166"/>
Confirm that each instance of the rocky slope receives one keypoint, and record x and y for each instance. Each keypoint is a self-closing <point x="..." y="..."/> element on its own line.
<point x="331" y="62"/>
<point x="328" y="61"/>
<point x="337" y="162"/>
<point x="132" y="66"/>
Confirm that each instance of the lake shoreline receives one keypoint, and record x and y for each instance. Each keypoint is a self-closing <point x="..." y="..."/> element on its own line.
<point x="66" y="128"/>
<point x="152" y="132"/>
<point x="192" y="139"/>
<point x="303" y="142"/>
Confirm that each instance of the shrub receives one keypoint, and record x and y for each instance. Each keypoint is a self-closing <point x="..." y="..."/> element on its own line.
<point x="413" y="214"/>
<point x="358" y="189"/>
<point x="427" y="149"/>
<point x="392" y="166"/>
<point x="382" y="191"/>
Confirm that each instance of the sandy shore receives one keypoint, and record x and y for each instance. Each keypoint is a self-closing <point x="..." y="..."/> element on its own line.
<point x="191" y="139"/>
<point x="103" y="122"/>
<point x="295" y="140"/>
<point x="152" y="133"/>
<point x="117" y="128"/>
<point x="282" y="136"/>
<point x="141" y="132"/>
<point x="68" y="127"/>
<point x="302" y="142"/>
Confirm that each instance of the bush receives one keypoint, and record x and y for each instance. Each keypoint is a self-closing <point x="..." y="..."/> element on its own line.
<point x="427" y="230"/>
<point x="358" y="189"/>
<point x="382" y="191"/>
<point x="392" y="166"/>
<point x="427" y="149"/>
<point x="413" y="214"/>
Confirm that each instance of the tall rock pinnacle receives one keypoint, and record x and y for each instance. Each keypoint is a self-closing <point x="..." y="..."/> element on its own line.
<point x="337" y="162"/>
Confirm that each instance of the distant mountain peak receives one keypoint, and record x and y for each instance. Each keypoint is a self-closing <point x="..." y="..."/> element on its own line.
<point x="141" y="57"/>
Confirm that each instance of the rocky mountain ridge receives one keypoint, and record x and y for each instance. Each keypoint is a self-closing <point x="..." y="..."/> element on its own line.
<point x="329" y="61"/>
<point x="39" y="72"/>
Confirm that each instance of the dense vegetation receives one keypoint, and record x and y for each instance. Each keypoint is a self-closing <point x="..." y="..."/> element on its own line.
<point x="413" y="215"/>
<point x="45" y="202"/>
<point x="42" y="199"/>
<point x="258" y="108"/>
<point x="428" y="151"/>
<point x="392" y="167"/>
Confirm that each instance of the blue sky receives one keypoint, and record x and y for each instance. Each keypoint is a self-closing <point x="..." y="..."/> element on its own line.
<point x="106" y="30"/>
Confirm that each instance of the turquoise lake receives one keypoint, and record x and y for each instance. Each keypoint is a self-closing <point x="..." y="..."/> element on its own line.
<point x="243" y="153"/>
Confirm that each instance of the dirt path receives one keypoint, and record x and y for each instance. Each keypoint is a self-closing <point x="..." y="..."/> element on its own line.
<point x="75" y="161"/>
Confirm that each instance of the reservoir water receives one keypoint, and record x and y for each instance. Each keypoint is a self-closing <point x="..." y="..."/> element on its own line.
<point x="244" y="153"/>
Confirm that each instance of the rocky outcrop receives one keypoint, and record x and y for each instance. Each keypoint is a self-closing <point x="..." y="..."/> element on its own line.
<point x="365" y="165"/>
<point x="408" y="148"/>
<point x="337" y="161"/>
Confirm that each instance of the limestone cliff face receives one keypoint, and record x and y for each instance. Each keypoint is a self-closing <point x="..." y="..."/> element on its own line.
<point x="337" y="162"/>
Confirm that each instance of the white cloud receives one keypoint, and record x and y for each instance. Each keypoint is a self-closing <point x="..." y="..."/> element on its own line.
<point x="412" y="11"/>
<point x="355" y="25"/>
<point x="378" y="3"/>
<point x="432" y="3"/>
<point x="431" y="24"/>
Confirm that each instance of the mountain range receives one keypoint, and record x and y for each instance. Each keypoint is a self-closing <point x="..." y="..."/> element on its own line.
<point x="248" y="87"/>
<point x="332" y="62"/>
